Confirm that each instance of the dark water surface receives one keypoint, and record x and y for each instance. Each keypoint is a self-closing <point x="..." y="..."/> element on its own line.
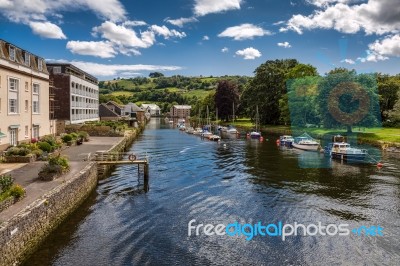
<point x="234" y="180"/>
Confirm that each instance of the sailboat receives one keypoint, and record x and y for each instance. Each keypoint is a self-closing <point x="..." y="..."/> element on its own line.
<point x="256" y="134"/>
<point x="230" y="129"/>
<point x="206" y="133"/>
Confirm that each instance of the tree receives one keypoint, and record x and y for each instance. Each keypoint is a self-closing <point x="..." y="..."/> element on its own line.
<point x="266" y="89"/>
<point x="388" y="88"/>
<point x="347" y="99"/>
<point x="156" y="75"/>
<point x="226" y="97"/>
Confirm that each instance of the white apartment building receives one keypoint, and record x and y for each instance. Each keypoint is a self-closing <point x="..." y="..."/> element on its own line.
<point x="24" y="96"/>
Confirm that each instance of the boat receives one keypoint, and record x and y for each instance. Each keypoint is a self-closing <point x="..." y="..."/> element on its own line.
<point x="305" y="142"/>
<point x="214" y="137"/>
<point x="341" y="150"/>
<point x="206" y="133"/>
<point x="256" y="134"/>
<point x="198" y="131"/>
<point x="182" y="127"/>
<point x="190" y="130"/>
<point x="286" y="140"/>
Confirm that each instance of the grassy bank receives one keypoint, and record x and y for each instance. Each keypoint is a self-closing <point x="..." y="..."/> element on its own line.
<point x="375" y="136"/>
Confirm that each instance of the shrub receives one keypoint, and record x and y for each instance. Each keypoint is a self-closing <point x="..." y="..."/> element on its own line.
<point x="74" y="135"/>
<point x="37" y="152"/>
<point x="59" y="160"/>
<point x="49" y="139"/>
<point x="45" y="146"/>
<point x="17" y="191"/>
<point x="84" y="135"/>
<point x="18" y="151"/>
<point x="66" y="138"/>
<point x="34" y="140"/>
<point x="6" y="181"/>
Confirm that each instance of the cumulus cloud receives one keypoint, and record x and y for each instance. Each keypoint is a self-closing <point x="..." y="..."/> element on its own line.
<point x="206" y="38"/>
<point x="100" y="49"/>
<point x="389" y="46"/>
<point x="167" y="33"/>
<point x="244" y="31"/>
<point x="204" y="7"/>
<point x="249" y="53"/>
<point x="47" y="30"/>
<point x="284" y="44"/>
<point x="348" y="61"/>
<point x="324" y="3"/>
<point x="134" y="23"/>
<point x="225" y="50"/>
<point x="374" y="17"/>
<point x="33" y="13"/>
<point x="180" y="22"/>
<point x="107" y="70"/>
<point x="372" y="57"/>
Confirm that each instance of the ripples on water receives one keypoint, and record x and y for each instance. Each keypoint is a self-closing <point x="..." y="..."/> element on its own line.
<point x="235" y="180"/>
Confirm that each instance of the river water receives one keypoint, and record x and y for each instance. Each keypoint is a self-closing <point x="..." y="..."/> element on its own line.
<point x="220" y="183"/>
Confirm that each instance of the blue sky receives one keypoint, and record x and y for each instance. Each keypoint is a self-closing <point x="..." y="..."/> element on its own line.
<point x="127" y="38"/>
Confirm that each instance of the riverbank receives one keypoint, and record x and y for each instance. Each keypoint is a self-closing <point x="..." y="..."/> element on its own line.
<point x="383" y="138"/>
<point x="24" y="225"/>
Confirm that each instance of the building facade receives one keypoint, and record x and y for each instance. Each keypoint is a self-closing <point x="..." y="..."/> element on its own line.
<point x="76" y="94"/>
<point x="180" y="111"/>
<point x="24" y="96"/>
<point x="152" y="109"/>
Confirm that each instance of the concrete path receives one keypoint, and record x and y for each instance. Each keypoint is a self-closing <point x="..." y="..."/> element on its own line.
<point x="27" y="174"/>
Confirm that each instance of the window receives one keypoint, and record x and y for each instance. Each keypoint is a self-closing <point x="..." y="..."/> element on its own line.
<point x="13" y="96"/>
<point x="26" y="105"/>
<point x="26" y="132"/>
<point x="12" y="53"/>
<point x="40" y="64"/>
<point x="57" y="70"/>
<point x="36" y="132"/>
<point x="27" y="58"/>
<point x="26" y="86"/>
<point x="35" y="98"/>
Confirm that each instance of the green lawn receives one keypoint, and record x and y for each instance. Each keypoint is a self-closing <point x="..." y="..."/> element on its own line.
<point x="122" y="93"/>
<point x="372" y="135"/>
<point x="198" y="93"/>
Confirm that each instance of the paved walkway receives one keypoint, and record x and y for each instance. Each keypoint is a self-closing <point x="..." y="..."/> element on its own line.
<point x="27" y="174"/>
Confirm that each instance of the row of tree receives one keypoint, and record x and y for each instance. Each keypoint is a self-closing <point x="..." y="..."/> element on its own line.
<point x="288" y="92"/>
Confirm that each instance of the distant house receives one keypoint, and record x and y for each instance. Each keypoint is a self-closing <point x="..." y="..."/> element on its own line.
<point x="135" y="111"/>
<point x="106" y="113"/>
<point x="152" y="109"/>
<point x="181" y="111"/>
<point x="114" y="111"/>
<point x="115" y="107"/>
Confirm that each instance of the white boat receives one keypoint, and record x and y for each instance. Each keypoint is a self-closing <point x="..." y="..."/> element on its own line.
<point x="190" y="130"/>
<point x="206" y="134"/>
<point x="286" y="140"/>
<point x="256" y="134"/>
<point x="214" y="137"/>
<point x="182" y="127"/>
<point x="306" y="142"/>
<point x="198" y="131"/>
<point x="341" y="150"/>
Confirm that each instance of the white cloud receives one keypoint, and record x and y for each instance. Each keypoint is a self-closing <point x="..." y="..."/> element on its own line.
<point x="123" y="36"/>
<point x="180" y="22"/>
<point x="34" y="12"/>
<point x="107" y="70"/>
<point x="389" y="46"/>
<point x="348" y="61"/>
<point x="204" y="7"/>
<point x="167" y="33"/>
<point x="324" y="3"/>
<point x="249" y="53"/>
<point x="134" y="23"/>
<point x="99" y="49"/>
<point x="206" y="38"/>
<point x="47" y="30"/>
<point x="244" y="31"/>
<point x="284" y="44"/>
<point x="374" y="17"/>
<point x="225" y="50"/>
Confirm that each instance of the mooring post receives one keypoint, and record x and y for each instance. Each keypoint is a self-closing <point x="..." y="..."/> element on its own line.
<point x="146" y="177"/>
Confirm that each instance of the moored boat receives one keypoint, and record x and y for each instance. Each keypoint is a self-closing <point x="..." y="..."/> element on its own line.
<point x="306" y="142"/>
<point x="214" y="137"/>
<point x="286" y="140"/>
<point x="341" y="150"/>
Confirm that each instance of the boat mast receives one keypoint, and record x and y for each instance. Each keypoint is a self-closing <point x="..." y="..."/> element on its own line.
<point x="233" y="111"/>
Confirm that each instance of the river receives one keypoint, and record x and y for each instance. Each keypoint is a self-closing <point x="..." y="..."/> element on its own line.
<point x="220" y="183"/>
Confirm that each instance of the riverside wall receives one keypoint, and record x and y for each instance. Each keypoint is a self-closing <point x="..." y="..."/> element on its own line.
<point x="22" y="234"/>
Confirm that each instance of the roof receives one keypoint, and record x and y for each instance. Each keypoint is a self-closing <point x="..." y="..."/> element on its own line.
<point x="104" y="111"/>
<point x="134" y="107"/>
<point x="151" y="105"/>
<point x="182" y="106"/>
<point x="116" y="104"/>
<point x="72" y="70"/>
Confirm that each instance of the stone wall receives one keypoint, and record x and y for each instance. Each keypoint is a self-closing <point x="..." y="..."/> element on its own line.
<point x="22" y="234"/>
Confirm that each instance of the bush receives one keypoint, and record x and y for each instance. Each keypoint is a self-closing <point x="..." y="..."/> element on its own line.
<point x="37" y="152"/>
<point x="45" y="146"/>
<point x="84" y="135"/>
<point x="50" y="140"/>
<point x="74" y="135"/>
<point x="18" y="151"/>
<point x="59" y="160"/>
<point x="17" y="191"/>
<point x="66" y="138"/>
<point x="6" y="181"/>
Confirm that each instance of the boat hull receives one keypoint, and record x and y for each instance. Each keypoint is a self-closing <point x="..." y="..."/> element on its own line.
<point x="306" y="147"/>
<point x="348" y="157"/>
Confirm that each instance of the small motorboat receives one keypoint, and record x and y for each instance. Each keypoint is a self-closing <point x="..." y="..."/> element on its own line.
<point x="341" y="150"/>
<point x="214" y="137"/>
<point x="286" y="140"/>
<point x="306" y="142"/>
